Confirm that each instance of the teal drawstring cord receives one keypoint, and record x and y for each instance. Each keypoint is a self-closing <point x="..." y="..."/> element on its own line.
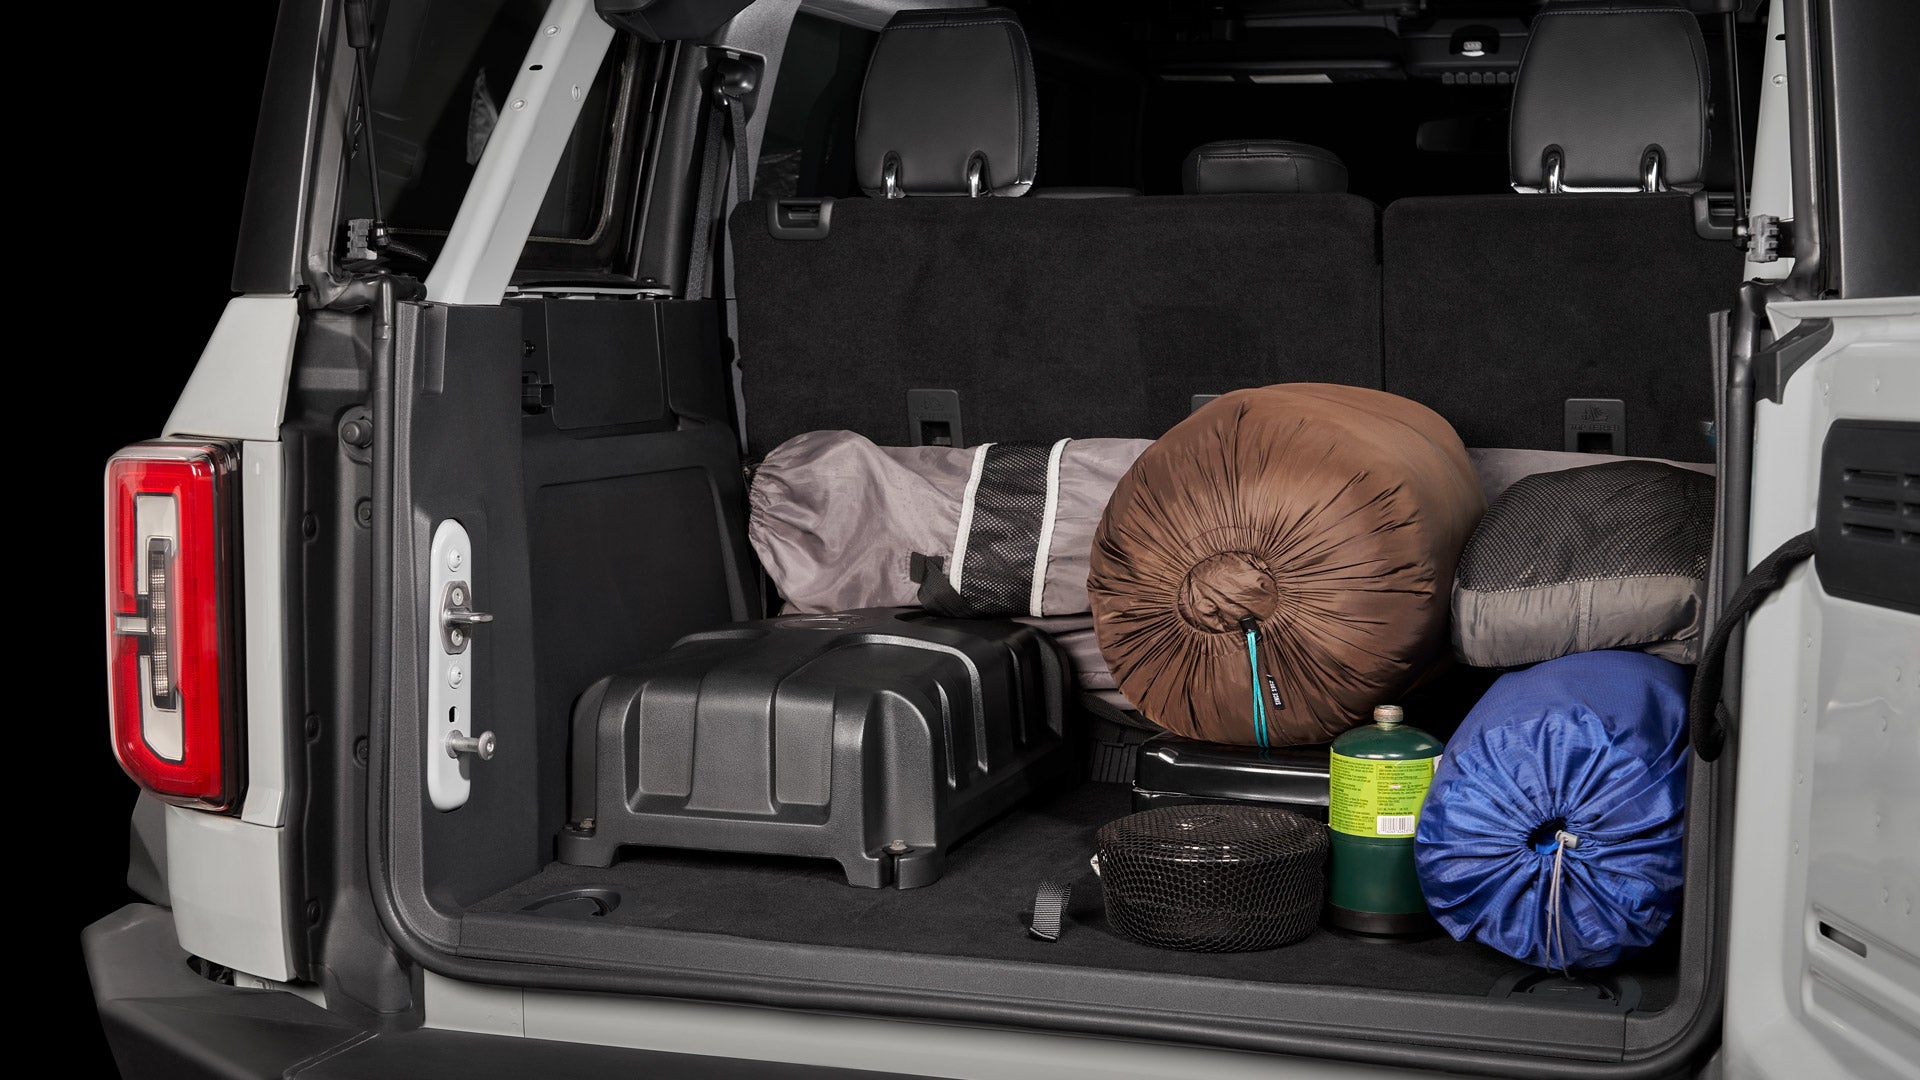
<point x="1252" y="627"/>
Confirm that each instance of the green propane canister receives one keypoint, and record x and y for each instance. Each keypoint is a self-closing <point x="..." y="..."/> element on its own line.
<point x="1379" y="777"/>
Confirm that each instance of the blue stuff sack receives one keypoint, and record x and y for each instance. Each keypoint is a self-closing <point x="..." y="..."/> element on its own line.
<point x="1553" y="830"/>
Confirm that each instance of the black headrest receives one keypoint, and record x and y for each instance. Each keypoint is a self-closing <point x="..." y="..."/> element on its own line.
<point x="1239" y="166"/>
<point x="1605" y="86"/>
<point x="949" y="92"/>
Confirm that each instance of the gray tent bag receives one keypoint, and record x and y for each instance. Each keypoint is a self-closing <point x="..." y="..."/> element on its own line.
<point x="993" y="530"/>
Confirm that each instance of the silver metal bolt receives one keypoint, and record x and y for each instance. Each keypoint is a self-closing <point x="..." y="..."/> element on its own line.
<point x="898" y="847"/>
<point x="586" y="824"/>
<point x="519" y="103"/>
<point x="552" y="30"/>
<point x="454" y="559"/>
<point x="576" y="93"/>
<point x="481" y="746"/>
<point x="456" y="596"/>
<point x="457" y="637"/>
<point x="455" y="676"/>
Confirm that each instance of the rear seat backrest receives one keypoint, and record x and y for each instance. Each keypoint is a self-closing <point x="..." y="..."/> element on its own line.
<point x="1048" y="317"/>
<point x="1508" y="313"/>
<point x="1270" y="166"/>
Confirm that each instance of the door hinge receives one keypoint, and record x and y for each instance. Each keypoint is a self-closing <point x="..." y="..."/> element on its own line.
<point x="1767" y="238"/>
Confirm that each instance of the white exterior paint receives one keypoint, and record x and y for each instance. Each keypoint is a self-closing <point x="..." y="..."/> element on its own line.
<point x="238" y="390"/>
<point x="1772" y="182"/>
<point x="1828" y="813"/>
<point x="514" y="173"/>
<point x="263" y="523"/>
<point x="849" y="1042"/>
<point x="224" y="885"/>
<point x="224" y="874"/>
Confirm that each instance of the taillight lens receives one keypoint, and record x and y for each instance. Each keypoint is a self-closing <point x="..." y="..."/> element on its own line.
<point x="172" y="661"/>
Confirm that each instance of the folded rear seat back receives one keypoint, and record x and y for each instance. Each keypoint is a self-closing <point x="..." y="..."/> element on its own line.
<point x="1047" y="317"/>
<point x="1255" y="166"/>
<point x="1522" y="318"/>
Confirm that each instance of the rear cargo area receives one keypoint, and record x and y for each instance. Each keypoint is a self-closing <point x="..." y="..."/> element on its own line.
<point x="980" y="909"/>
<point x="606" y="528"/>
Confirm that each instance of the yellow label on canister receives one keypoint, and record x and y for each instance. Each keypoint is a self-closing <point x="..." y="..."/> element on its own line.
<point x="1372" y="797"/>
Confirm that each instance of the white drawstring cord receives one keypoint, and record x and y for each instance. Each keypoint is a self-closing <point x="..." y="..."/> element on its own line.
<point x="1556" y="934"/>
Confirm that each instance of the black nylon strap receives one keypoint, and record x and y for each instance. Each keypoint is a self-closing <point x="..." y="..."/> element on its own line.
<point x="1708" y="718"/>
<point x="1050" y="910"/>
<point x="710" y="206"/>
<point x="705" y="234"/>
<point x="737" y="135"/>
<point x="936" y="593"/>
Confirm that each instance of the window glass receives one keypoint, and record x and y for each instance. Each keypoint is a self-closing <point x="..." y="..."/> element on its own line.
<point x="441" y="75"/>
<point x="807" y="148"/>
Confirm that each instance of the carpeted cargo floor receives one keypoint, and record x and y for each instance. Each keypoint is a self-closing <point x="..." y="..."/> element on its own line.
<point x="979" y="909"/>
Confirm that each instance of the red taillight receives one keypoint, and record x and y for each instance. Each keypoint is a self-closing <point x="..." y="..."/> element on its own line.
<point x="172" y="662"/>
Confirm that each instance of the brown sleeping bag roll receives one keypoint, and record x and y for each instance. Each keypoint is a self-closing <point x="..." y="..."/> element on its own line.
<point x="1333" y="515"/>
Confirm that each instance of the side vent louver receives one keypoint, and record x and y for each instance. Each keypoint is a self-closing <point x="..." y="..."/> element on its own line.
<point x="1868" y="538"/>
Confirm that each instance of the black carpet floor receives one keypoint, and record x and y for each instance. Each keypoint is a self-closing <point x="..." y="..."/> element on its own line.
<point x="979" y="909"/>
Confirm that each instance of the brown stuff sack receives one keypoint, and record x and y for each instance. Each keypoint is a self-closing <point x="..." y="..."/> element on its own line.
<point x="1331" y="514"/>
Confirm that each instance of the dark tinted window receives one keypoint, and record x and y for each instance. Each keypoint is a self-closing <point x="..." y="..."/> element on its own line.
<point x="442" y="75"/>
<point x="807" y="149"/>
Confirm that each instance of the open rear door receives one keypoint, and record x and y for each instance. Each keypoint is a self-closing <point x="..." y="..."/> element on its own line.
<point x="1824" y="947"/>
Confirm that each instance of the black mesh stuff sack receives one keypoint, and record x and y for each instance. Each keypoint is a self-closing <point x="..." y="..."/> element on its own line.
<point x="1213" y="878"/>
<point x="1610" y="556"/>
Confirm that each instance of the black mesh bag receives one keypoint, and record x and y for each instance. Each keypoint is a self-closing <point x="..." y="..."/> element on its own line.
<point x="1214" y="878"/>
<point x="1609" y="556"/>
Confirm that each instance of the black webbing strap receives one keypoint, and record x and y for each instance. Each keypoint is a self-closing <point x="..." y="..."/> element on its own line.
<point x="937" y="593"/>
<point x="737" y="135"/>
<point x="1050" y="910"/>
<point x="710" y="206"/>
<point x="1708" y="718"/>
<point x="705" y="235"/>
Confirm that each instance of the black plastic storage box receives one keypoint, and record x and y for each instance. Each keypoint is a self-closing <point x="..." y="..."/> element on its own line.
<point x="1172" y="771"/>
<point x="874" y="738"/>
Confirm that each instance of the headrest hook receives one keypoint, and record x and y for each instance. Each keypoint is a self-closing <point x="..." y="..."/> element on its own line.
<point x="1652" y="165"/>
<point x="890" y="177"/>
<point x="976" y="175"/>
<point x="1555" y="166"/>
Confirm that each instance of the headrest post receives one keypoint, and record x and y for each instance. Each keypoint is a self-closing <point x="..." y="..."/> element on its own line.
<point x="1650" y="172"/>
<point x="890" y="177"/>
<point x="976" y="176"/>
<point x="1554" y="165"/>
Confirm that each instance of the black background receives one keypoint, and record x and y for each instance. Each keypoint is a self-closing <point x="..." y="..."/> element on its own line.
<point x="144" y="175"/>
